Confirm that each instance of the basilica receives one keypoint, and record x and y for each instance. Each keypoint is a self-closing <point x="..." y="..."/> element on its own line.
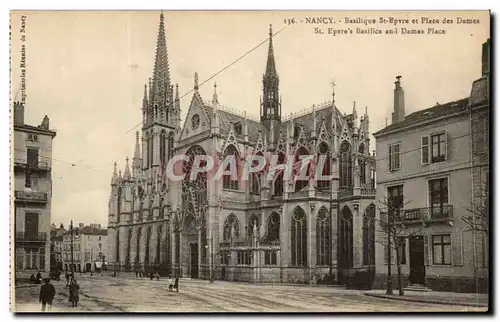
<point x="257" y="230"/>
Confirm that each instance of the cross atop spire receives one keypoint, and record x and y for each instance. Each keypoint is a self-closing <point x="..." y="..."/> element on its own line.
<point x="196" y="82"/>
<point x="215" y="98"/>
<point x="271" y="64"/>
<point x="333" y="90"/>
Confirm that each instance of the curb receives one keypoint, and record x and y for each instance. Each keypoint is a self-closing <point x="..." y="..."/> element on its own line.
<point x="408" y="299"/>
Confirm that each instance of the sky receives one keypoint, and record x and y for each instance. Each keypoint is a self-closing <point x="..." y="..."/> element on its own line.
<point x="86" y="70"/>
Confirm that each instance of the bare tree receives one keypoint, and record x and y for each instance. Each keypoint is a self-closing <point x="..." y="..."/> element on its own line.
<point x="393" y="235"/>
<point x="478" y="217"/>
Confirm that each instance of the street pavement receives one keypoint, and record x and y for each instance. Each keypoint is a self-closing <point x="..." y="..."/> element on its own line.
<point x="130" y="294"/>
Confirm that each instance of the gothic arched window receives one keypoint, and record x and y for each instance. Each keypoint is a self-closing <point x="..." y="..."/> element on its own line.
<point x="150" y="149"/>
<point x="299" y="238"/>
<point x="273" y="227"/>
<point x="345" y="165"/>
<point x="118" y="204"/>
<point x="170" y="147"/>
<point x="146" y="249"/>
<point x="231" y="227"/>
<point x="346" y="239"/>
<point x="253" y="222"/>
<point x="278" y="182"/>
<point x="362" y="165"/>
<point x="255" y="178"/>
<point x="323" y="238"/>
<point x="326" y="167"/>
<point x="163" y="146"/>
<point x="230" y="181"/>
<point x="118" y="259"/>
<point x="158" y="244"/>
<point x="194" y="190"/>
<point x="138" y="244"/>
<point x="298" y="166"/>
<point x="369" y="236"/>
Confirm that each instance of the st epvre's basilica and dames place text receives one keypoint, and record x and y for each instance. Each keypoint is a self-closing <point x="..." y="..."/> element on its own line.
<point x="395" y="25"/>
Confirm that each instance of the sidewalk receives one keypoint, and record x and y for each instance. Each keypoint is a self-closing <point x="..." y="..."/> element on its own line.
<point x="432" y="297"/>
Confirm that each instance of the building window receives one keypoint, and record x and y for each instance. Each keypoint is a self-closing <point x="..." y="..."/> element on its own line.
<point x="438" y="147"/>
<point x="163" y="143"/>
<point x="170" y="145"/>
<point x="231" y="227"/>
<point x="254" y="187"/>
<point x="425" y="150"/>
<point x="273" y="227"/>
<point x="253" y="229"/>
<point x="296" y="131"/>
<point x="326" y="170"/>
<point x="301" y="185"/>
<point x="32" y="157"/>
<point x="395" y="198"/>
<point x="230" y="181"/>
<point x="299" y="238"/>
<point x="345" y="165"/>
<point x="323" y="240"/>
<point x="238" y="128"/>
<point x="270" y="257"/>
<point x="278" y="182"/>
<point x="438" y="196"/>
<point x="33" y="137"/>
<point x="441" y="249"/>
<point x="244" y="257"/>
<point x="224" y="257"/>
<point x="395" y="157"/>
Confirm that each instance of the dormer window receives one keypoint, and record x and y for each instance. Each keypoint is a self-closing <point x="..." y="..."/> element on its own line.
<point x="238" y="128"/>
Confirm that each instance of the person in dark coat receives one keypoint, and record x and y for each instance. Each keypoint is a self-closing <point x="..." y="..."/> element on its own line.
<point x="47" y="293"/>
<point x="74" y="295"/>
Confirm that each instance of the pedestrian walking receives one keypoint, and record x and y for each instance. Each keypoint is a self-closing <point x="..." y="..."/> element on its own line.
<point x="74" y="296"/>
<point x="47" y="293"/>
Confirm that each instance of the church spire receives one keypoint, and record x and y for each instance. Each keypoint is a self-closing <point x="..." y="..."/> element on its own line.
<point x="114" y="178"/>
<point x="271" y="65"/>
<point x="126" y="173"/>
<point x="270" y="106"/>
<point x="161" y="74"/>
<point x="215" y="99"/>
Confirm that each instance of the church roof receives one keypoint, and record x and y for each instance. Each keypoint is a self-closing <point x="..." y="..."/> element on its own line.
<point x="307" y="120"/>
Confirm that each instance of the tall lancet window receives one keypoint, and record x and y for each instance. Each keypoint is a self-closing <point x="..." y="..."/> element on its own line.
<point x="323" y="239"/>
<point x="150" y="150"/>
<point x="170" y="147"/>
<point x="299" y="238"/>
<point x="230" y="181"/>
<point x="362" y="165"/>
<point x="278" y="182"/>
<point x="345" y="165"/>
<point x="324" y="184"/>
<point x="163" y="146"/>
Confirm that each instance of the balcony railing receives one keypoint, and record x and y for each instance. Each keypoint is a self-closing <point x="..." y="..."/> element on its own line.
<point x="31" y="237"/>
<point x="32" y="196"/>
<point x="43" y="166"/>
<point x="367" y="192"/>
<point x="444" y="212"/>
<point x="298" y="194"/>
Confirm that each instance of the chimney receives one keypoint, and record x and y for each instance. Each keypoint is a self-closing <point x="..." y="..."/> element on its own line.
<point x="485" y="60"/>
<point x="18" y="113"/>
<point x="399" y="102"/>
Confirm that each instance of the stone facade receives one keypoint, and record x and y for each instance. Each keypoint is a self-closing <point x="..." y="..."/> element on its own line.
<point x="32" y="192"/>
<point x="439" y="158"/>
<point x="259" y="229"/>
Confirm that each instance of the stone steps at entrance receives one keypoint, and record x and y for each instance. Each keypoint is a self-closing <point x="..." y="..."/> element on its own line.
<point x="417" y="288"/>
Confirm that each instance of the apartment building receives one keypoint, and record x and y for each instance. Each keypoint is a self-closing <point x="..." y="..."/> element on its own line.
<point x="56" y="246"/>
<point x="89" y="246"/>
<point x="431" y="165"/>
<point x="32" y="192"/>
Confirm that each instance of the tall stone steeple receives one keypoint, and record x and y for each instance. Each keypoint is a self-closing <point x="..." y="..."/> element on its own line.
<point x="270" y="104"/>
<point x="161" y="92"/>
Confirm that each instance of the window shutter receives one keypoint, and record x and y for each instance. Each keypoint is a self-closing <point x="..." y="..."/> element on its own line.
<point x="390" y="157"/>
<point x="425" y="150"/>
<point x="457" y="248"/>
<point x="426" y="250"/>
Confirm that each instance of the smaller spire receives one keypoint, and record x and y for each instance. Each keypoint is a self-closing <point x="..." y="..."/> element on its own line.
<point x="126" y="174"/>
<point x="114" y="178"/>
<point x="333" y="91"/>
<point x="137" y="151"/>
<point x="177" y="92"/>
<point x="354" y="108"/>
<point x="366" y="110"/>
<point x="196" y="85"/>
<point x="215" y="99"/>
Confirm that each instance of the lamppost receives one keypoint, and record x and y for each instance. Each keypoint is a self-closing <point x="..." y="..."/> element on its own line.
<point x="212" y="258"/>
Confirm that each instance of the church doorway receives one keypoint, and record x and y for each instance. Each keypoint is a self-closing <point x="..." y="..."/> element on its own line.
<point x="194" y="260"/>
